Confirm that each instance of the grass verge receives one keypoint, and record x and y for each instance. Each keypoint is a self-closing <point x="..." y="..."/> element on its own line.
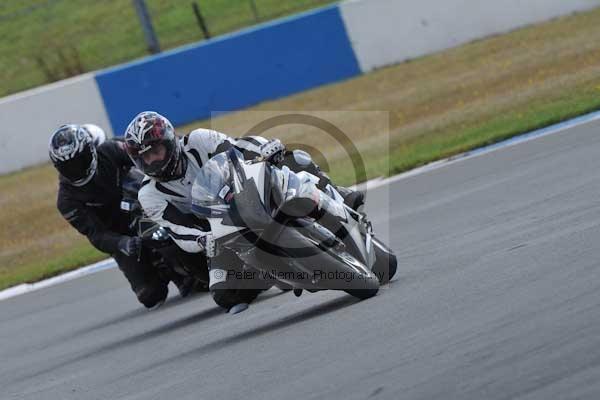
<point x="435" y="106"/>
<point x="78" y="256"/>
<point x="440" y="145"/>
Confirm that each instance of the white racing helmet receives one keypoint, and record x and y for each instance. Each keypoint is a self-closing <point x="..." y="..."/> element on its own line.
<point x="98" y="135"/>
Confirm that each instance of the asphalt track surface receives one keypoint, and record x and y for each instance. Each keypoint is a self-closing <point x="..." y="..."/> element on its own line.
<point x="497" y="297"/>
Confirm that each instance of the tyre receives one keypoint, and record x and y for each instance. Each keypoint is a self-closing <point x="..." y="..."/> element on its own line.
<point x="228" y="298"/>
<point x="366" y="287"/>
<point x="386" y="262"/>
<point x="362" y="294"/>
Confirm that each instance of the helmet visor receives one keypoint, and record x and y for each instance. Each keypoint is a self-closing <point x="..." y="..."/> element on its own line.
<point x="154" y="158"/>
<point x="78" y="168"/>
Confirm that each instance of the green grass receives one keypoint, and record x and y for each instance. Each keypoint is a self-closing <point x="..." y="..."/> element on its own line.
<point x="449" y="142"/>
<point x="96" y="34"/>
<point x="444" y="144"/>
<point x="78" y="256"/>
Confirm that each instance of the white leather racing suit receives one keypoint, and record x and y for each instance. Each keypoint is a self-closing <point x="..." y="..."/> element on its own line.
<point x="169" y="203"/>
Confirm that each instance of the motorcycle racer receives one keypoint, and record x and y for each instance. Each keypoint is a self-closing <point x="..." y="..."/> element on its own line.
<point x="89" y="198"/>
<point x="172" y="164"/>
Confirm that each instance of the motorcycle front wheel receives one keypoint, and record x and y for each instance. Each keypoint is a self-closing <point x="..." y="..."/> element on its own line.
<point x="386" y="262"/>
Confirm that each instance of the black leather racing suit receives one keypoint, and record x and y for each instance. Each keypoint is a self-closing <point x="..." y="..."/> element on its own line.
<point x="94" y="209"/>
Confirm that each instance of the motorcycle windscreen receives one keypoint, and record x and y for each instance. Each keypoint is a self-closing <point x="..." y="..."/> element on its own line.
<point x="247" y="208"/>
<point x="212" y="190"/>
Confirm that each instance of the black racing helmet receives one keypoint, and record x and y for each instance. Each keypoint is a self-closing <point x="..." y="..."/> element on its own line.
<point x="153" y="147"/>
<point x="73" y="153"/>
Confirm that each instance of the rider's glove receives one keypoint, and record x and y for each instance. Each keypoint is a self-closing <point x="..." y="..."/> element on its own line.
<point x="208" y="245"/>
<point x="160" y="238"/>
<point x="130" y="246"/>
<point x="273" y="151"/>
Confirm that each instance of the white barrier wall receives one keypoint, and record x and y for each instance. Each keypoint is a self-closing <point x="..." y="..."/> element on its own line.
<point x="28" y="118"/>
<point x="385" y="32"/>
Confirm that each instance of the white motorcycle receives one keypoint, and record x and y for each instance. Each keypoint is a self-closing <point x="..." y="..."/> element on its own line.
<point x="244" y="203"/>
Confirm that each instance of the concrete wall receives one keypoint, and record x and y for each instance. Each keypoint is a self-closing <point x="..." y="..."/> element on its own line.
<point x="29" y="118"/>
<point x="385" y="32"/>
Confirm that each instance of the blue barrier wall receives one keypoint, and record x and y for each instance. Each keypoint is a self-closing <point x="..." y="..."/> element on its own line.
<point x="232" y="72"/>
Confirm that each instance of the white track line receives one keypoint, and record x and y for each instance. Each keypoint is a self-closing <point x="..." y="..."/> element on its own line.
<point x="369" y="185"/>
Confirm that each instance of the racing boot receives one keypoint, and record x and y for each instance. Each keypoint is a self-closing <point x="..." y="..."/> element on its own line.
<point x="330" y="214"/>
<point x="185" y="284"/>
<point x="231" y="290"/>
<point x="152" y="295"/>
<point x="352" y="198"/>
